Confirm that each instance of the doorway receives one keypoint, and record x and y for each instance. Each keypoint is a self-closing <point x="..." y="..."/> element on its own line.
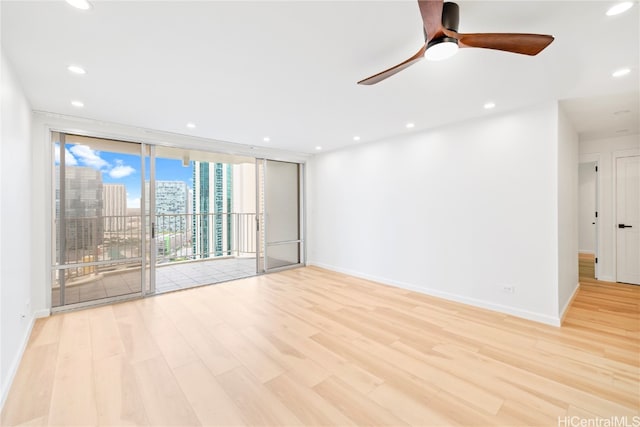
<point x="137" y="219"/>
<point x="205" y="218"/>
<point x="588" y="219"/>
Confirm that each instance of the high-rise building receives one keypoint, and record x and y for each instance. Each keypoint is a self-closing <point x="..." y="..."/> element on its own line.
<point x="114" y="202"/>
<point x="83" y="208"/>
<point x="172" y="220"/>
<point x="172" y="206"/>
<point x="212" y="207"/>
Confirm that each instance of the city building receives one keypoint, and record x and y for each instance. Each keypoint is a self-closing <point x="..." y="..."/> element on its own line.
<point x="83" y="190"/>
<point x="171" y="220"/>
<point x="114" y="202"/>
<point x="212" y="208"/>
<point x="172" y="206"/>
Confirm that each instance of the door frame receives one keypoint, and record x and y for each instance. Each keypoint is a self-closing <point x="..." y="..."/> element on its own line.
<point x="595" y="158"/>
<point x="614" y="185"/>
<point x="153" y="250"/>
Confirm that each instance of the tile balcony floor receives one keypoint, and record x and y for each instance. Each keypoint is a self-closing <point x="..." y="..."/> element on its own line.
<point x="169" y="277"/>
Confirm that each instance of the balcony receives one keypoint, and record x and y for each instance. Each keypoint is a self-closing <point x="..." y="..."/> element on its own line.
<point x="103" y="255"/>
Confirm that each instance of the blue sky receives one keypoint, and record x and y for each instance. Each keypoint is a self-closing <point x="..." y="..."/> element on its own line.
<point x="118" y="168"/>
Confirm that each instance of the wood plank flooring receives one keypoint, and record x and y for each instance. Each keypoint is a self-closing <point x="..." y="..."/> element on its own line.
<point x="587" y="266"/>
<point x="313" y="347"/>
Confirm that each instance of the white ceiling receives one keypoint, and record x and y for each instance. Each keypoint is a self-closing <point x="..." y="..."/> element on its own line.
<point x="288" y="70"/>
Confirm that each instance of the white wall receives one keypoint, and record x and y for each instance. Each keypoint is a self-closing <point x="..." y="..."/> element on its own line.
<point x="244" y="188"/>
<point x="458" y="212"/>
<point x="587" y="208"/>
<point x="567" y="211"/>
<point x="605" y="151"/>
<point x="15" y="225"/>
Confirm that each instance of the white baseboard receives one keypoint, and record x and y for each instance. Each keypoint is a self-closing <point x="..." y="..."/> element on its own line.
<point x="15" y="363"/>
<point x="563" y="312"/>
<point x="42" y="313"/>
<point x="525" y="314"/>
<point x="607" y="279"/>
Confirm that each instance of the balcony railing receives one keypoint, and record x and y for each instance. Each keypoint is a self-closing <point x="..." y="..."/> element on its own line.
<point x="105" y="243"/>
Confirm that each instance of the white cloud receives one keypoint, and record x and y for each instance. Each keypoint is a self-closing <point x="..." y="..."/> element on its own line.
<point x="88" y="157"/>
<point x="120" y="170"/>
<point x="69" y="159"/>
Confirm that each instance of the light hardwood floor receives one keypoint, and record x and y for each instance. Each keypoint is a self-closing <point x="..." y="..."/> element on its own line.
<point x="312" y="347"/>
<point x="587" y="266"/>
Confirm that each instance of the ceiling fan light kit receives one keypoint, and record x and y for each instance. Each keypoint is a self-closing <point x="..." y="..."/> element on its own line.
<point x="442" y="40"/>
<point x="440" y="49"/>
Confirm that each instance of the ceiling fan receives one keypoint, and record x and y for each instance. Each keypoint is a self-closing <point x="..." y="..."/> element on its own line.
<point x="442" y="40"/>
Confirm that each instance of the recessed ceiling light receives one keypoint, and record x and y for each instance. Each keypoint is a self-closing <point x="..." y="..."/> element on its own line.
<point x="80" y="4"/>
<point x="619" y="8"/>
<point x="356" y="138"/>
<point x="78" y="104"/>
<point x="409" y="125"/>
<point x="191" y="125"/>
<point x="621" y="72"/>
<point x="266" y="139"/>
<point x="489" y="105"/>
<point x="620" y="112"/>
<point x="318" y="147"/>
<point x="76" y="69"/>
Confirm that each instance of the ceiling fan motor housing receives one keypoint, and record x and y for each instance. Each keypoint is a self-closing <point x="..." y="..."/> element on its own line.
<point x="450" y="16"/>
<point x="450" y="20"/>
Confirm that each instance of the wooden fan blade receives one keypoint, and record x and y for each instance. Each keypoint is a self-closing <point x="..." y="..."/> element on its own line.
<point x="393" y="70"/>
<point x="526" y="44"/>
<point x="431" y="11"/>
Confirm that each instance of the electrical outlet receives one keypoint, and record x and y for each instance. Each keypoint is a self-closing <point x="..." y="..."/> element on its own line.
<point x="509" y="289"/>
<point x="27" y="309"/>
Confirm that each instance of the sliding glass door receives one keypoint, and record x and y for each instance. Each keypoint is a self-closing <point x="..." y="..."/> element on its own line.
<point x="100" y="247"/>
<point x="135" y="219"/>
<point x="280" y="208"/>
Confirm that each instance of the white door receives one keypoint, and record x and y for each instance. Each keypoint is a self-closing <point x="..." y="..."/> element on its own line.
<point x="628" y="219"/>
